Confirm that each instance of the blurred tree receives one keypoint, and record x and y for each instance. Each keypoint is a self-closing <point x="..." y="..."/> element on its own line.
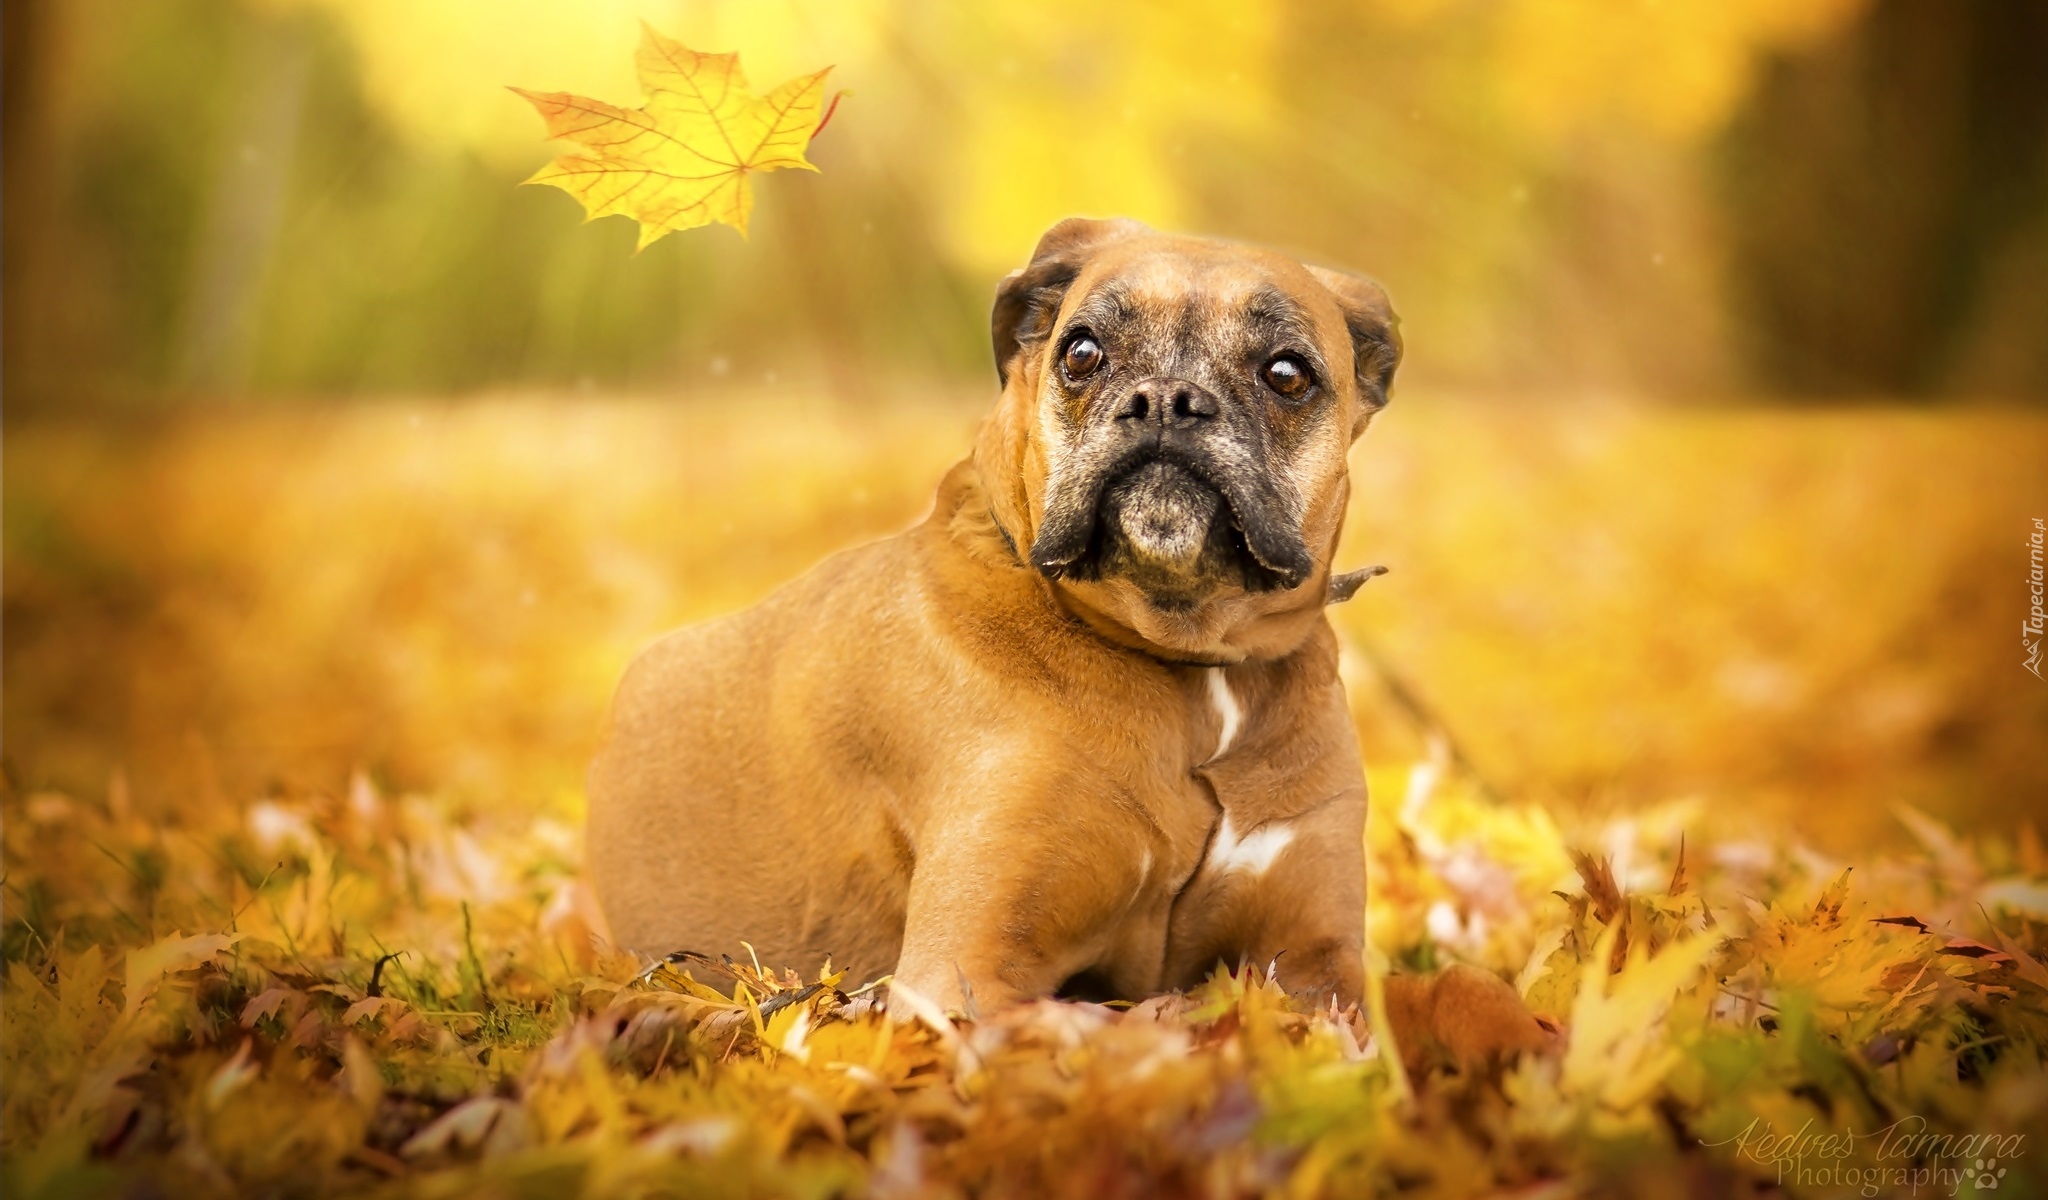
<point x="201" y="203"/>
<point x="219" y="198"/>
<point x="1875" y="185"/>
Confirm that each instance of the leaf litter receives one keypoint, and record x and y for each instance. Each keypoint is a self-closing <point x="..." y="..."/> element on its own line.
<point x="389" y="996"/>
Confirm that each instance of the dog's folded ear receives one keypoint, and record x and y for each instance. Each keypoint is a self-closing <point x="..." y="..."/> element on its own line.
<point x="1375" y="332"/>
<point x="1027" y="298"/>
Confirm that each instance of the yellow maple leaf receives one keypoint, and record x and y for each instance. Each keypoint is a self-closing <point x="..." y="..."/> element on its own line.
<point x="687" y="156"/>
<point x="148" y="966"/>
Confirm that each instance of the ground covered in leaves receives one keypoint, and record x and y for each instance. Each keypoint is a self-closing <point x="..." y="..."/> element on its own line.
<point x="1638" y="753"/>
<point x="375" y="994"/>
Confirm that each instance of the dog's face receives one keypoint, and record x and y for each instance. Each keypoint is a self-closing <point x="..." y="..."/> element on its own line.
<point x="1174" y="424"/>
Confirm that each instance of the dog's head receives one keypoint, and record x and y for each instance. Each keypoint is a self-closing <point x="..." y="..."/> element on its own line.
<point x="1170" y="446"/>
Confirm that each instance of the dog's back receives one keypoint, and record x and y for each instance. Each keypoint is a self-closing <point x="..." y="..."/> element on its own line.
<point x="734" y="796"/>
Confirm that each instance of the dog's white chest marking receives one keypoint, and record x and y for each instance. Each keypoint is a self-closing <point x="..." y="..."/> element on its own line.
<point x="1224" y="701"/>
<point x="1229" y="852"/>
<point x="1254" y="853"/>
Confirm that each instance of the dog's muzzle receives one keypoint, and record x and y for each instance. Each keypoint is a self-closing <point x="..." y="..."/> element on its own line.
<point x="1174" y="474"/>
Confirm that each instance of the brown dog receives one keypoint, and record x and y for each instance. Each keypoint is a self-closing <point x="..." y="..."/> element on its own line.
<point x="1082" y="724"/>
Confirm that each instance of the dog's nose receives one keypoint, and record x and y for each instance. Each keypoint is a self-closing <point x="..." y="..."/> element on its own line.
<point x="1169" y="402"/>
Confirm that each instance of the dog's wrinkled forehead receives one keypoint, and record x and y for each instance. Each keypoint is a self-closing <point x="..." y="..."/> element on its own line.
<point x="1159" y="315"/>
<point x="1186" y="306"/>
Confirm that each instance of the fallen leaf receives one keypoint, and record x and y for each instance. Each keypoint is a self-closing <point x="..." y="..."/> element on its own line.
<point x="1679" y="880"/>
<point x="368" y="1006"/>
<point x="2029" y="967"/>
<point x="263" y="1005"/>
<point x="148" y="966"/>
<point x="1598" y="876"/>
<point x="359" y="1080"/>
<point x="232" y="1076"/>
<point x="1827" y="911"/>
<point x="1966" y="948"/>
<point x="460" y="1128"/>
<point x="1617" y="1055"/>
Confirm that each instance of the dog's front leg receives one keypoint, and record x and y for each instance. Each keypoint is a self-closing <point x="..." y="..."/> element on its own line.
<point x="1282" y="880"/>
<point x="1290" y="893"/>
<point x="1009" y="901"/>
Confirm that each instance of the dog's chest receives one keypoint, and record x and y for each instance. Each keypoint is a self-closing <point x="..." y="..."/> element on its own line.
<point x="1211" y="815"/>
<point x="1245" y="838"/>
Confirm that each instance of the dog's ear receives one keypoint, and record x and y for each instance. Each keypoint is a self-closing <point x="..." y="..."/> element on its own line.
<point x="1027" y="298"/>
<point x="1375" y="332"/>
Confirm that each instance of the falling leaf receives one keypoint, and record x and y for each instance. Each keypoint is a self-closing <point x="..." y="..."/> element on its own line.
<point x="688" y="155"/>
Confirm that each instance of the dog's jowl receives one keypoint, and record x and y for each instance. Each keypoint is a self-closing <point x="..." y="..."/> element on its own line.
<point x="1082" y="722"/>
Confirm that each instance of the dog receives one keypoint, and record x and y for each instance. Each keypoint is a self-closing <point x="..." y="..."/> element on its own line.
<point x="1080" y="731"/>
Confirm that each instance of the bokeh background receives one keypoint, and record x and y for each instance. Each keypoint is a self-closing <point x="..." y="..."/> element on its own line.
<point x="1708" y="478"/>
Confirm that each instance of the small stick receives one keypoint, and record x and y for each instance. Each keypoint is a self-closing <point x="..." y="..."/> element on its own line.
<point x="1418" y="711"/>
<point x="1344" y="587"/>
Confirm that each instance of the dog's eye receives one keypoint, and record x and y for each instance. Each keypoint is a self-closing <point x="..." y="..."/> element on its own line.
<point x="1288" y="376"/>
<point x="1083" y="356"/>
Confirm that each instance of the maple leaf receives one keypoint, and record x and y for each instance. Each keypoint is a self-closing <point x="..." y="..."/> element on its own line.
<point x="688" y="155"/>
<point x="148" y="967"/>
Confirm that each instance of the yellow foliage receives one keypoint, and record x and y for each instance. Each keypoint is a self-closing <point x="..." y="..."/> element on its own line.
<point x="1675" y="69"/>
<point x="443" y="1033"/>
<point x="1620" y="1049"/>
<point x="241" y="964"/>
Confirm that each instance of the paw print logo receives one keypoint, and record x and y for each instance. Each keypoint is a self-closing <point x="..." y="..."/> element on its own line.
<point x="1987" y="1173"/>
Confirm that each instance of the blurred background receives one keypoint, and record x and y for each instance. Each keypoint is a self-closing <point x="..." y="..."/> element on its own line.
<point x="1709" y="475"/>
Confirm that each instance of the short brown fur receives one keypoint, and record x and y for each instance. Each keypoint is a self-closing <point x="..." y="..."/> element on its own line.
<point x="932" y="757"/>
